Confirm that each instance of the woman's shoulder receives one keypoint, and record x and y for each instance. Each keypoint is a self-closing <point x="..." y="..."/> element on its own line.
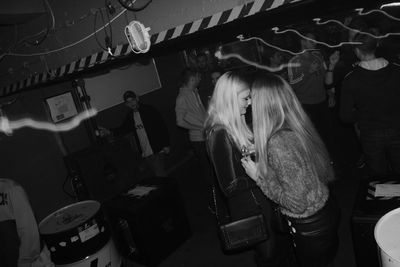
<point x="218" y="136"/>
<point x="283" y="137"/>
<point x="217" y="129"/>
<point x="286" y="142"/>
<point x="217" y="133"/>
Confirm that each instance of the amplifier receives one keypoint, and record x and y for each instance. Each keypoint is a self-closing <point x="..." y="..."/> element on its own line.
<point x="154" y="214"/>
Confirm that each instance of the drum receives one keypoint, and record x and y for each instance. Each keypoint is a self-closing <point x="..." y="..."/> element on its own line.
<point x="108" y="256"/>
<point x="75" y="232"/>
<point x="387" y="232"/>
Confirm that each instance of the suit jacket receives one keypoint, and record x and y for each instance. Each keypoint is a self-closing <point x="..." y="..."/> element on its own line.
<point x="154" y="125"/>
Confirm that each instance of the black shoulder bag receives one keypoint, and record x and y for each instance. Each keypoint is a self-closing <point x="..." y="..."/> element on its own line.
<point x="240" y="234"/>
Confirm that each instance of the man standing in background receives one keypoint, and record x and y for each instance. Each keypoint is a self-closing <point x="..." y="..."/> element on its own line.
<point x="191" y="114"/>
<point x="150" y="132"/>
<point x="311" y="81"/>
<point x="370" y="97"/>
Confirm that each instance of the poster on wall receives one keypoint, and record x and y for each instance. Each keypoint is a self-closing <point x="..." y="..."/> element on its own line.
<point x="106" y="90"/>
<point x="61" y="107"/>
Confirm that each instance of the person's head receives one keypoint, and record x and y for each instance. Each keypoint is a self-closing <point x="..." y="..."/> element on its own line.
<point x="367" y="46"/>
<point x="202" y="61"/>
<point x="131" y="100"/>
<point x="275" y="107"/>
<point x="228" y="106"/>
<point x="307" y="44"/>
<point x="275" y="58"/>
<point x="215" y="74"/>
<point x="358" y="24"/>
<point x="190" y="78"/>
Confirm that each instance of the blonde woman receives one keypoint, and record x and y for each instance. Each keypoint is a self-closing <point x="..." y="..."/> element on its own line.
<point x="227" y="134"/>
<point x="293" y="169"/>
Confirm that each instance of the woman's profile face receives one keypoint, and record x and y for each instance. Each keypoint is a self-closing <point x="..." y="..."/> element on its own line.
<point x="244" y="101"/>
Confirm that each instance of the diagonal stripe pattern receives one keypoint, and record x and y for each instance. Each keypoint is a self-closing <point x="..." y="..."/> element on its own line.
<point x="121" y="50"/>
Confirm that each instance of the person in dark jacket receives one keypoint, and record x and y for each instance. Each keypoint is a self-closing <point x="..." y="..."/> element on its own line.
<point x="370" y="98"/>
<point x="227" y="134"/>
<point x="150" y="132"/>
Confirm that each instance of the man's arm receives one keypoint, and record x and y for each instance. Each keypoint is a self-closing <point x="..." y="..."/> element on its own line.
<point x="125" y="128"/>
<point x="28" y="231"/>
<point x="333" y="60"/>
<point x="9" y="243"/>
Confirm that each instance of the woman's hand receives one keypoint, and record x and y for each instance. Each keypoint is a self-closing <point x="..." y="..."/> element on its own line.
<point x="252" y="149"/>
<point x="250" y="167"/>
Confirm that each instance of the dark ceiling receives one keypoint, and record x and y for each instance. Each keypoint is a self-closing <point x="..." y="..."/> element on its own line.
<point x="15" y="19"/>
<point x="14" y="12"/>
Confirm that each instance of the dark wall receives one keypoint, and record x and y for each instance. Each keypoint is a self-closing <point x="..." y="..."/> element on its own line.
<point x="170" y="68"/>
<point x="34" y="158"/>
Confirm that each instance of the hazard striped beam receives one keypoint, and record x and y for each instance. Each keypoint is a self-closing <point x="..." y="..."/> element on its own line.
<point x="101" y="57"/>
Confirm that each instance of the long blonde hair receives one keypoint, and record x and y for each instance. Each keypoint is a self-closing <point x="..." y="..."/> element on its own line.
<point x="224" y="110"/>
<point x="274" y="107"/>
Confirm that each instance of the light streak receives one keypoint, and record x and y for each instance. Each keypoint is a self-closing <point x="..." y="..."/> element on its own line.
<point x="360" y="12"/>
<point x="276" y="30"/>
<point x="318" y="21"/>
<point x="7" y="126"/>
<point x="219" y="55"/>
<point x="273" y="46"/>
<point x="391" y="5"/>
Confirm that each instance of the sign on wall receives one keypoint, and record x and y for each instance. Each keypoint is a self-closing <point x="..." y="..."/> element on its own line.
<point x="106" y="90"/>
<point x="61" y="107"/>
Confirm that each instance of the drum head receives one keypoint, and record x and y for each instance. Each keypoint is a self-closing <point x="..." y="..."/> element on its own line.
<point x="69" y="217"/>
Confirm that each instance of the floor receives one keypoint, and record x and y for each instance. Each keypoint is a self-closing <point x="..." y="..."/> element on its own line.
<point x="202" y="249"/>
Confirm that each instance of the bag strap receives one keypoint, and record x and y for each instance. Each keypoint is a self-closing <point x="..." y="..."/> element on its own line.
<point x="255" y="199"/>
<point x="215" y="206"/>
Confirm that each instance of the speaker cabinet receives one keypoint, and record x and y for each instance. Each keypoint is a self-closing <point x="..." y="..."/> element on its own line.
<point x="366" y="213"/>
<point x="107" y="169"/>
<point x="157" y="221"/>
<point x="365" y="247"/>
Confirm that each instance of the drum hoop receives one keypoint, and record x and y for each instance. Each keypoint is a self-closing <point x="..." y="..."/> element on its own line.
<point x="42" y="222"/>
